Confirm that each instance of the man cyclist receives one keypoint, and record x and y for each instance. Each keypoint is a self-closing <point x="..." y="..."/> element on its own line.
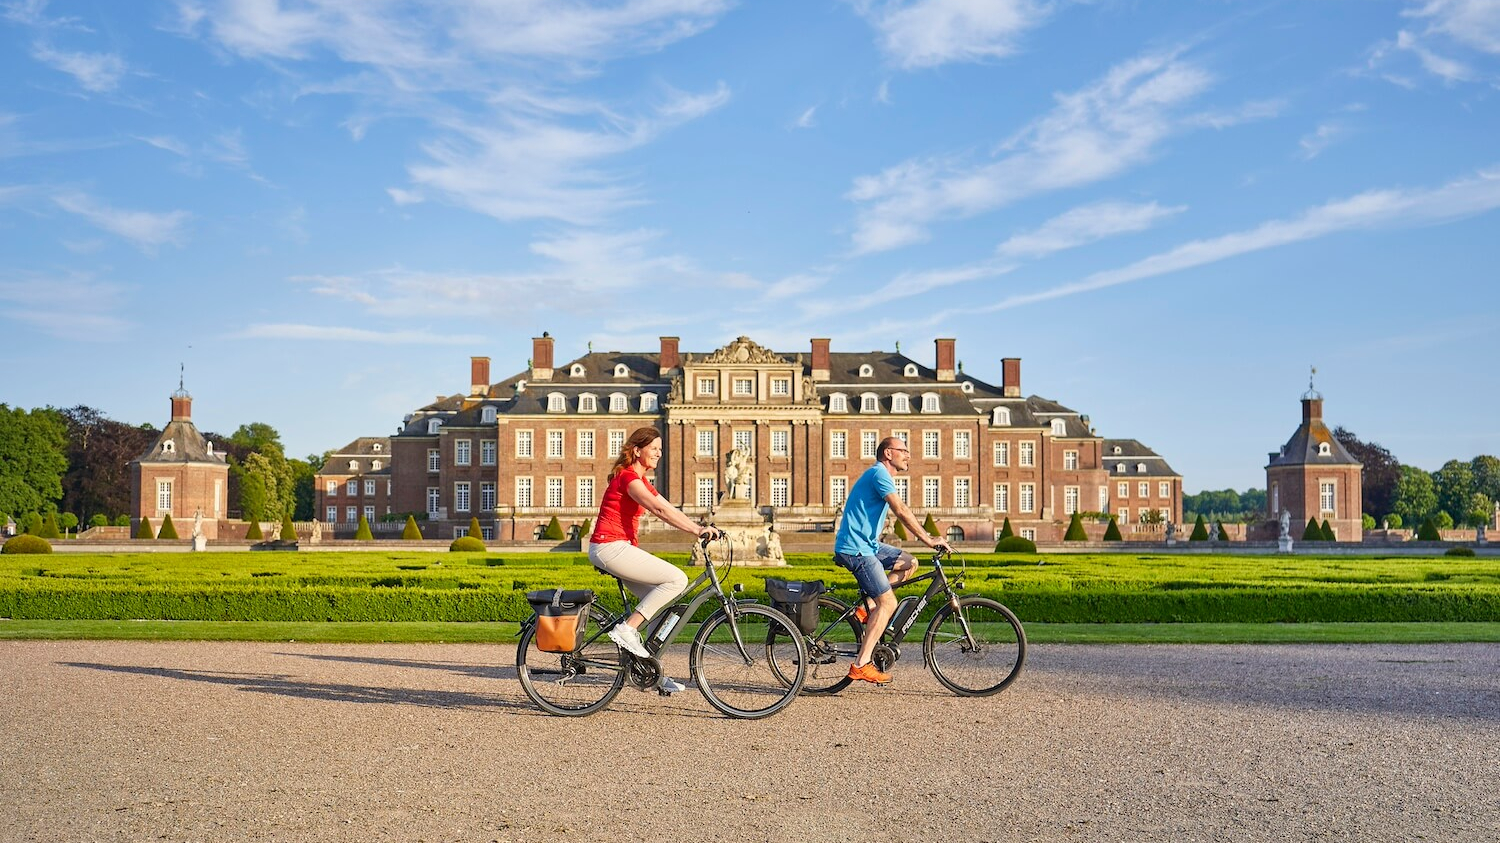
<point x="878" y="567"/>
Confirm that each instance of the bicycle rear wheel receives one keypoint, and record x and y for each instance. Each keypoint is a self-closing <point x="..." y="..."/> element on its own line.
<point x="831" y="649"/>
<point x="975" y="651"/>
<point x="752" y="687"/>
<point x="572" y="684"/>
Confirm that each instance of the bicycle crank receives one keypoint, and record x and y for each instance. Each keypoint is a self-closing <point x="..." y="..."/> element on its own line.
<point x="885" y="655"/>
<point x="644" y="673"/>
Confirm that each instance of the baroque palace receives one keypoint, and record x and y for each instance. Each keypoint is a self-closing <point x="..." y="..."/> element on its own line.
<point x="541" y="442"/>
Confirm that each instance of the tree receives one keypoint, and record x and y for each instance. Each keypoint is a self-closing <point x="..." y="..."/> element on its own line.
<point x="362" y="533"/>
<point x="304" y="481"/>
<point x="1486" y="471"/>
<point x="256" y="437"/>
<point x="1479" y="510"/>
<point x="411" y="533"/>
<point x="554" y="530"/>
<point x="144" y="530"/>
<point x="1200" y="530"/>
<point x="99" y="520"/>
<point x="267" y="488"/>
<point x="1443" y="520"/>
<point x="99" y="451"/>
<point x="168" y="531"/>
<point x="930" y="526"/>
<point x="1112" y="532"/>
<point x="1314" y="531"/>
<point x="32" y="459"/>
<point x="1416" y="498"/>
<point x="122" y="520"/>
<point x="1393" y="521"/>
<point x="32" y="524"/>
<point x="1454" y="484"/>
<point x="288" y="531"/>
<point x="1328" y="535"/>
<point x="1367" y="521"/>
<point x="1382" y="471"/>
<point x="1075" y="531"/>
<point x="1005" y="530"/>
<point x="1428" y="532"/>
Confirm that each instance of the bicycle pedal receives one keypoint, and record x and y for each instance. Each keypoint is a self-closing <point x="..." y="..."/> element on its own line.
<point x="663" y="692"/>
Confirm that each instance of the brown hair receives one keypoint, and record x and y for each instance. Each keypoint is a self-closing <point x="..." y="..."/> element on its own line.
<point x="886" y="443"/>
<point x="639" y="439"/>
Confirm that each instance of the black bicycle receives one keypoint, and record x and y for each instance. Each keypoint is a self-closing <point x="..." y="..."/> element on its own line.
<point x="974" y="645"/>
<point x="732" y="658"/>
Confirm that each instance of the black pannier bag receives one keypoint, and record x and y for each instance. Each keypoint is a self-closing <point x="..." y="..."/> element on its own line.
<point x="797" y="600"/>
<point x="561" y="618"/>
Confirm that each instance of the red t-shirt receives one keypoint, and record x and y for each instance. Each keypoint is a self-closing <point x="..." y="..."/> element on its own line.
<point x="618" y="511"/>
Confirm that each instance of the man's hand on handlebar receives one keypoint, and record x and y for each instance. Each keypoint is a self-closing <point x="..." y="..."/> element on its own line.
<point x="941" y="546"/>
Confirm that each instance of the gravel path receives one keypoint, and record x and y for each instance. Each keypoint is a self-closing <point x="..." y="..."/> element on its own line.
<point x="106" y="740"/>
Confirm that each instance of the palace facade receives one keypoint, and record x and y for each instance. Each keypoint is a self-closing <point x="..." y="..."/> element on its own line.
<point x="540" y="443"/>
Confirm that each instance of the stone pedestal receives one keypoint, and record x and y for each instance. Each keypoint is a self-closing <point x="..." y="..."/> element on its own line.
<point x="1284" y="544"/>
<point x="200" y="543"/>
<point x="753" y="542"/>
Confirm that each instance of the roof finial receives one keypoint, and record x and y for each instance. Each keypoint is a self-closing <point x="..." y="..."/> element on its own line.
<point x="1312" y="392"/>
<point x="898" y="346"/>
<point x="181" y="373"/>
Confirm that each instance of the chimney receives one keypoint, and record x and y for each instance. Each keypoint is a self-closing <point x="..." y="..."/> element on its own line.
<point x="670" y="359"/>
<point x="822" y="367"/>
<point x="945" y="355"/>
<point x="541" y="357"/>
<point x="479" y="376"/>
<point x="182" y="406"/>
<point x="1010" y="376"/>
<point x="1312" y="410"/>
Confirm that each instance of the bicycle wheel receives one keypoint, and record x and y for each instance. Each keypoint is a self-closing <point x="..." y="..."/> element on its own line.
<point x="831" y="649"/>
<point x="572" y="684"/>
<point x="977" y="650"/>
<point x="740" y="687"/>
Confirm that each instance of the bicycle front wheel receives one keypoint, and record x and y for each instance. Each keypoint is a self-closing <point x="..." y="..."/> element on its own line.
<point x="977" y="650"/>
<point x="572" y="684"/>
<point x="831" y="649"/>
<point x="748" y="683"/>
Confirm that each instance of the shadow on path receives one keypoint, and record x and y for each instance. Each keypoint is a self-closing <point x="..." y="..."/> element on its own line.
<point x="478" y="671"/>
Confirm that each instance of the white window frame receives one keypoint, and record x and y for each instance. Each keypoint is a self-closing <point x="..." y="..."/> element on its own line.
<point x="900" y="403"/>
<point x="931" y="403"/>
<point x="903" y="489"/>
<point x="461" y="496"/>
<point x="1002" y="454"/>
<point x="866" y="370"/>
<point x="932" y="491"/>
<point x="351" y="488"/>
<point x="433" y="425"/>
<point x="487" y="496"/>
<point x="707" y="491"/>
<point x="707" y="385"/>
<point x="742" y="387"/>
<point x="434" y="499"/>
<point x="584" y="492"/>
<point x="1028" y="534"/>
<point x="838" y="445"/>
<point x="1164" y="489"/>
<point x="555" y="444"/>
<point x="932" y="444"/>
<point x="1002" y="497"/>
<point x="525" y="445"/>
<point x="618" y="403"/>
<point x="351" y="514"/>
<point x="1072" y="498"/>
<point x="781" y="491"/>
<point x="554" y="493"/>
<point x="588" y="403"/>
<point x="489" y="451"/>
<point x="781" y="387"/>
<point x="1327" y="496"/>
<point x="331" y="487"/>
<point x="1123" y="489"/>
<point x="1000" y="417"/>
<point x="648" y="402"/>
<point x="1143" y="490"/>
<point x="869" y="440"/>
<point x="838" y="403"/>
<point x="163" y="495"/>
<point x="781" y="443"/>
<point x="585" y="444"/>
<point x="616" y="441"/>
<point x="705" y="441"/>
<point x="370" y="488"/>
<point x="869" y="402"/>
<point x="963" y="444"/>
<point x="1070" y="460"/>
<point x="1027" y="456"/>
<point x="332" y="514"/>
<point x="1059" y="428"/>
<point x="487" y="415"/>
<point x="463" y="451"/>
<point x="434" y="460"/>
<point x="1027" y="497"/>
<point x="525" y="492"/>
<point x="963" y="492"/>
<point x="838" y="490"/>
<point x="745" y="440"/>
<point x="556" y="403"/>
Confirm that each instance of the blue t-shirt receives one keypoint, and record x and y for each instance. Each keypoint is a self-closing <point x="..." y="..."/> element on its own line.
<point x="864" y="513"/>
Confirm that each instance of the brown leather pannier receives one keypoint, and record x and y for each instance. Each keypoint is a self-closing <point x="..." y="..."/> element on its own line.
<point x="561" y="618"/>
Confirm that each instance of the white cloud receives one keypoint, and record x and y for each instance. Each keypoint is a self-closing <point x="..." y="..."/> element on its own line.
<point x="1473" y="23"/>
<point x="73" y="307"/>
<point x="33" y="13"/>
<point x="1116" y="123"/>
<point x="145" y="229"/>
<point x="1456" y="45"/>
<point x="166" y="143"/>
<point x="1085" y="225"/>
<point x="808" y="119"/>
<point x="1319" y="139"/>
<point x="97" y="72"/>
<point x="335" y="333"/>
<point x="927" y="33"/>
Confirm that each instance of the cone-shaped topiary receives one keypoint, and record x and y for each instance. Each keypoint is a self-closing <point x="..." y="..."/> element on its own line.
<point x="49" y="527"/>
<point x="467" y="544"/>
<point x="1005" y="530"/>
<point x="143" y="531"/>
<point x="930" y="526"/>
<point x="1223" y="536"/>
<point x="32" y="524"/>
<point x="1200" y="530"/>
<point x="901" y="530"/>
<point x="411" y="533"/>
<point x="474" y="529"/>
<point x="1015" y="544"/>
<point x="1327" y="532"/>
<point x="288" y="532"/>
<point x="554" y="530"/>
<point x="253" y="533"/>
<point x="1314" y="532"/>
<point x="167" y="531"/>
<point x="26" y="544"/>
<point x="586" y="530"/>
<point x="362" y="532"/>
<point x="1112" y="532"/>
<point x="1075" y="531"/>
<point x="1428" y="532"/>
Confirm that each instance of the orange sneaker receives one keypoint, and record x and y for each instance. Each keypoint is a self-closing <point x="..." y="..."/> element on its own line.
<point x="868" y="673"/>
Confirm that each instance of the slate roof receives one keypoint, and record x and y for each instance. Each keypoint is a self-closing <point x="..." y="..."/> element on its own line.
<point x="1132" y="455"/>
<point x="1303" y="447"/>
<point x="362" y="449"/>
<point x="187" y="445"/>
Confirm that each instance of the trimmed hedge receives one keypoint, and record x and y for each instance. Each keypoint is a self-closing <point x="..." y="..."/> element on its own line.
<point x="467" y="544"/>
<point x="930" y="526"/>
<point x="474" y="529"/>
<point x="1015" y="544"/>
<point x="288" y="532"/>
<point x="411" y="532"/>
<point x="1075" y="531"/>
<point x="1313" y="532"/>
<point x="554" y="531"/>
<point x="33" y="544"/>
<point x="254" y="532"/>
<point x="1005" y="530"/>
<point x="362" y="532"/>
<point x="1428" y="532"/>
<point x="1223" y="536"/>
<point x="49" y="527"/>
<point x="1459" y="551"/>
<point x="1328" y="535"/>
<point x="168" y="531"/>
<point x="901" y="531"/>
<point x="1112" y="532"/>
<point x="144" y="531"/>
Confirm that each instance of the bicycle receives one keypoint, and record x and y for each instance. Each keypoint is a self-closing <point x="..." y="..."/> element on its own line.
<point x="973" y="645"/>
<point x="730" y="659"/>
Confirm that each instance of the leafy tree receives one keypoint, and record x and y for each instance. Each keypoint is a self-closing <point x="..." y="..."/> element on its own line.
<point x="1382" y="471"/>
<point x="1454" y="483"/>
<point x="267" y="488"/>
<point x="1486" y="470"/>
<point x="1225" y="505"/>
<point x="1367" y="521"/>
<point x="1112" y="532"/>
<point x="1416" y="497"/>
<point x="288" y="531"/>
<point x="1479" y="510"/>
<point x="1314" y="531"/>
<point x="143" y="531"/>
<point x="256" y="437"/>
<point x="1152" y="516"/>
<point x="100" y="520"/>
<point x="122" y="520"/>
<point x="1200" y="530"/>
<point x="1443" y="520"/>
<point x="1075" y="531"/>
<point x="1428" y="532"/>
<point x="901" y="530"/>
<point x="304" y="481"/>
<point x="1005" y="530"/>
<point x="33" y="459"/>
<point x="99" y="451"/>
<point x="32" y="524"/>
<point x="254" y="532"/>
<point x="67" y="521"/>
<point x="1394" y="521"/>
<point x="168" y="531"/>
<point x="554" y="531"/>
<point x="930" y="526"/>
<point x="362" y="533"/>
<point x="1328" y="535"/>
<point x="411" y="533"/>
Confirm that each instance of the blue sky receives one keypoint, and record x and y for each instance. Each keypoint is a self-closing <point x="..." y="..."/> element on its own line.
<point x="1169" y="211"/>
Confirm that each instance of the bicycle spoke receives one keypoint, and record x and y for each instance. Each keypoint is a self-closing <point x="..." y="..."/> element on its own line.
<point x="741" y="688"/>
<point x="977" y="650"/>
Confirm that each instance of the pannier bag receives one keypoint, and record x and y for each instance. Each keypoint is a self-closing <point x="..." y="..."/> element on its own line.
<point x="561" y="617"/>
<point x="797" y="600"/>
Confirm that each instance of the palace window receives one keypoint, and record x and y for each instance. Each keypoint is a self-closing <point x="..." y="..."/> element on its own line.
<point x="487" y="497"/>
<point x="930" y="403"/>
<point x="354" y="465"/>
<point x="370" y="488"/>
<point x="744" y="387"/>
<point x="1143" y="490"/>
<point x="745" y="440"/>
<point x="554" y="492"/>
<point x="910" y="370"/>
<point x="900" y="403"/>
<point x="930" y="444"/>
<point x="1001" y="417"/>
<point x="375" y="465"/>
<point x="781" y="387"/>
<point x="705" y="491"/>
<point x="1028" y="455"/>
<point x="1002" y="453"/>
<point x="838" y="403"/>
<point x="838" y="490"/>
<point x="1028" y="497"/>
<point x="434" y="459"/>
<point x="331" y="487"/>
<point x="903" y="489"/>
<point x="930" y="492"/>
<point x="868" y="439"/>
<point x="869" y="403"/>
<point x="585" y="492"/>
<point x="434" y="500"/>
<point x="352" y="514"/>
<point x="1070" y="460"/>
<point x="961" y="446"/>
<point x="524" y="448"/>
<point x="838" y="445"/>
<point x="708" y="386"/>
<point x="621" y="370"/>
<point x="1140" y="468"/>
<point x="1123" y="489"/>
<point x="461" y="497"/>
<point x="586" y="444"/>
<point x="616" y="442"/>
<point x="523" y="491"/>
<point x="648" y="402"/>
<point x="781" y="443"/>
<point x="433" y="425"/>
<point x="1002" y="497"/>
<point x="961" y="492"/>
<point x="1070" y="500"/>
<point x="1326" y="496"/>
<point x="556" y="403"/>
<point x="780" y="491"/>
<point x="554" y="444"/>
<point x="588" y="403"/>
<point x="866" y="370"/>
<point x="164" y="496"/>
<point x="487" y="415"/>
<point x="617" y="402"/>
<point x="487" y="451"/>
<point x="461" y="451"/>
<point x="352" y="487"/>
<point x="706" y="443"/>
<point x="331" y="514"/>
<point x="1164" y="489"/>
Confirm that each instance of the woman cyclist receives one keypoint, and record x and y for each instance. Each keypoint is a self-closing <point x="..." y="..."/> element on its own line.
<point x="613" y="547"/>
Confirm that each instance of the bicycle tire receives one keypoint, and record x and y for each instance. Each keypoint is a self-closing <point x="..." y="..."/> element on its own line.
<point x="746" y="691"/>
<point x="975" y="671"/>
<point x="558" y="684"/>
<point x="828" y="654"/>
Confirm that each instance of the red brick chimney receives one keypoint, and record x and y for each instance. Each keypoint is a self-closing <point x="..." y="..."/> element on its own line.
<point x="1010" y="376"/>
<point x="1312" y="410"/>
<point x="822" y="365"/>
<point x="479" y="376"/>
<point x="946" y="371"/>
<point x="670" y="359"/>
<point x="541" y="357"/>
<point x="182" y="406"/>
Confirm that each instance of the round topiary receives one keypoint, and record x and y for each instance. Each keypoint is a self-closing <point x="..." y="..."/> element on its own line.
<point x="467" y="544"/>
<point x="1075" y="531"/>
<point x="122" y="520"/>
<point x="1459" y="551"/>
<point x="1015" y="544"/>
<point x="1112" y="532"/>
<point x="167" y="530"/>
<point x="363" y="534"/>
<point x="100" y="520"/>
<point x="36" y="544"/>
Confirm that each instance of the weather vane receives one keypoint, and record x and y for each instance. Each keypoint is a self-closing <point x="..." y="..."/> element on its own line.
<point x="1312" y="391"/>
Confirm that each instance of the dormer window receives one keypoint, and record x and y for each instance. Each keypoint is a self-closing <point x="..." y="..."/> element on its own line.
<point x="911" y="370"/>
<point x="838" y="403"/>
<point x="1119" y="466"/>
<point x="210" y="448"/>
<point x="376" y="447"/>
<point x="868" y="403"/>
<point x="520" y="387"/>
<point x="1324" y="449"/>
<point x="1140" y="468"/>
<point x="648" y="402"/>
<point x="900" y="403"/>
<point x="930" y="402"/>
<point x="588" y="403"/>
<point x="556" y="403"/>
<point x="433" y="425"/>
<point x="168" y="447"/>
<point x="967" y="387"/>
<point x="1059" y="427"/>
<point x="617" y="403"/>
<point x="621" y="370"/>
<point x="354" y="465"/>
<point x="375" y="465"/>
<point x="1119" y="450"/>
<point x="486" y="416"/>
<point x="1001" y="417"/>
<point x="576" y="370"/>
<point x="866" y="370"/>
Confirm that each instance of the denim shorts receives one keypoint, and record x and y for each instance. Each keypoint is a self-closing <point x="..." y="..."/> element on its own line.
<point x="869" y="571"/>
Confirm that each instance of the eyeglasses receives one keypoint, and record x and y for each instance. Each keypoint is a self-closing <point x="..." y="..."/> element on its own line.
<point x="901" y="450"/>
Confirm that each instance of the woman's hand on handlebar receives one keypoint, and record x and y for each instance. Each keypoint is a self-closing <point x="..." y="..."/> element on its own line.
<point x="710" y="533"/>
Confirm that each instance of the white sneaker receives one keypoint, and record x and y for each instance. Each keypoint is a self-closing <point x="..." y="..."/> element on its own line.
<point x="670" y="685"/>
<point x="626" y="636"/>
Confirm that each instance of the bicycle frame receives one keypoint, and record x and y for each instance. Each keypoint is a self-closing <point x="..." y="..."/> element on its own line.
<point x="940" y="584"/>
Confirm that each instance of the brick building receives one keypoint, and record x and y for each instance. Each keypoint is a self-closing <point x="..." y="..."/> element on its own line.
<point x="1142" y="487"/>
<point x="1313" y="476"/>
<point x="540" y="443"/>
<point x="181" y="475"/>
<point x="355" y="480"/>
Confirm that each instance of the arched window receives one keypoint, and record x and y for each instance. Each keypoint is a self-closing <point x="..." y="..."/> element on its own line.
<point x="587" y="403"/>
<point x="1324" y="449"/>
<point x="556" y="403"/>
<point x="648" y="402"/>
<point x="168" y="447"/>
<point x="621" y="370"/>
<point x="1001" y="417"/>
<point x="955" y="533"/>
<point x="577" y="370"/>
<point x="617" y="402"/>
<point x="866" y="370"/>
<point x="354" y="465"/>
<point x="900" y="403"/>
<point x="1140" y="468"/>
<point x="1059" y="427"/>
<point x="930" y="402"/>
<point x="539" y="533"/>
<point x="486" y="416"/>
<point x="375" y="465"/>
<point x="375" y="447"/>
<point x="869" y="403"/>
<point x="911" y="370"/>
<point x="838" y="403"/>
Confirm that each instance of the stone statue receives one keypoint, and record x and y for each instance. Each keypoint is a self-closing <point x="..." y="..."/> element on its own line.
<point x="675" y="394"/>
<point x="1213" y="532"/>
<point x="317" y="531"/>
<point x="773" y="544"/>
<point x="197" y="523"/>
<point x="738" y="474"/>
<point x="1171" y="532"/>
<point x="1286" y="525"/>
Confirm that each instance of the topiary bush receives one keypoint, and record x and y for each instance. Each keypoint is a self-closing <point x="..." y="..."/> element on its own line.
<point x="474" y="529"/>
<point x="1112" y="532"/>
<point x="1367" y="521"/>
<point x="1459" y="551"/>
<point x="411" y="533"/>
<point x="1075" y="531"/>
<point x="1328" y="535"/>
<point x="1428" y="532"/>
<point x="930" y="526"/>
<point x="288" y="531"/>
<point x="362" y="532"/>
<point x="1200" y="530"/>
<point x="901" y="530"/>
<point x="254" y="533"/>
<point x="586" y="530"/>
<point x="554" y="530"/>
<point x="1443" y="521"/>
<point x="1005" y="530"/>
<point x="1393" y="521"/>
<point x="49" y="527"/>
<point x="36" y="544"/>
<point x="143" y="531"/>
<point x="467" y="544"/>
<point x="1313" y="532"/>
<point x="167" y="530"/>
<point x="1015" y="544"/>
<point x="122" y="520"/>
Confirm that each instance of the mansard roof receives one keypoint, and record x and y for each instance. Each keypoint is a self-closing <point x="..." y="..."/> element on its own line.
<point x="1132" y="455"/>
<point x="181" y="442"/>
<point x="362" y="449"/>
<point x="1304" y="447"/>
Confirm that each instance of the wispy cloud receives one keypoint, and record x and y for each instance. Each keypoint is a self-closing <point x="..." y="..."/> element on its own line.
<point x="336" y="333"/>
<point x="807" y="119"/>
<point x="34" y="13"/>
<point x="147" y="230"/>
<point x="1084" y="225"/>
<point x="927" y="33"/>
<point x="96" y="72"/>
<point x="1457" y="44"/>
<point x="1114" y="124"/>
<point x="1313" y="143"/>
<point x="73" y="306"/>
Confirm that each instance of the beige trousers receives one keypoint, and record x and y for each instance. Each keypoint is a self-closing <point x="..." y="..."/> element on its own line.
<point x="654" y="582"/>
